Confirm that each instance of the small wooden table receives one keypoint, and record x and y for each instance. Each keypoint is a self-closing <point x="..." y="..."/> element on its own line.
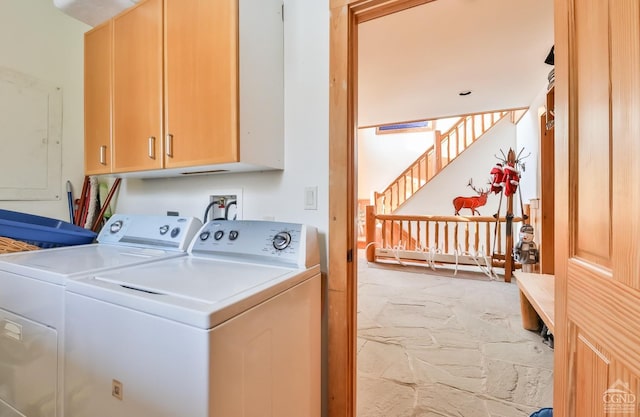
<point x="536" y="299"/>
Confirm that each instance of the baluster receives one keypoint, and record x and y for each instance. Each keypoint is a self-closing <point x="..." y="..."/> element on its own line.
<point x="446" y="237"/>
<point x="466" y="237"/>
<point x="455" y="236"/>
<point x="370" y="232"/>
<point x="393" y="233"/>
<point x="384" y="233"/>
<point x="457" y="141"/>
<point x="437" y="148"/>
<point x="437" y="233"/>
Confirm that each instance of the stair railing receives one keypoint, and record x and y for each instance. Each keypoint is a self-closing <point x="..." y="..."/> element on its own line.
<point x="424" y="239"/>
<point x="445" y="149"/>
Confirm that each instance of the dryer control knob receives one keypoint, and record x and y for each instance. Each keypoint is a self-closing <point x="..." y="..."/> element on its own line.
<point x="204" y="235"/>
<point x="116" y="226"/>
<point x="218" y="234"/>
<point x="281" y="240"/>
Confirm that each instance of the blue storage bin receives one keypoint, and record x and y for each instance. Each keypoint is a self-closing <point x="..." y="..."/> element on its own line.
<point x="42" y="231"/>
<point x="543" y="412"/>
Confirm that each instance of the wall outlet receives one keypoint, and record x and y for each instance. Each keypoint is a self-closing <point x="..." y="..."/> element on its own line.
<point x="225" y="205"/>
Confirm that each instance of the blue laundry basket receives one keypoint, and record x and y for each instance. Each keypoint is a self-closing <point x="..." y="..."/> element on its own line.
<point x="543" y="412"/>
<point x="43" y="232"/>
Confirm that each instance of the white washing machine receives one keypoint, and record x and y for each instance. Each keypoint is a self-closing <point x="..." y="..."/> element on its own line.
<point x="232" y="329"/>
<point x="32" y="303"/>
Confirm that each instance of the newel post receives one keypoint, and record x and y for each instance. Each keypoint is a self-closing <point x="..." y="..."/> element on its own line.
<point x="370" y="232"/>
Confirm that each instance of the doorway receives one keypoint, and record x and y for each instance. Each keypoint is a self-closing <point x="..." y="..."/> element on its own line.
<point x="346" y="15"/>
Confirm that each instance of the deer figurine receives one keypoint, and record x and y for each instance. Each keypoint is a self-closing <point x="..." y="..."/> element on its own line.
<point x="472" y="203"/>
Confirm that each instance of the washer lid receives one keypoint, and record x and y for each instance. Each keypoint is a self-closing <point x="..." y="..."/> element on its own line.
<point x="195" y="279"/>
<point x="194" y="291"/>
<point x="55" y="265"/>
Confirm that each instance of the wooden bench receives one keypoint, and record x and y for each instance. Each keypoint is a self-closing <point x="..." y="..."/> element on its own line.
<point x="536" y="299"/>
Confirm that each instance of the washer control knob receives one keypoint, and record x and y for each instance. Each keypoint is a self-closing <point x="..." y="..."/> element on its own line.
<point x="164" y="229"/>
<point x="233" y="235"/>
<point x="116" y="226"/>
<point x="175" y="231"/>
<point x="218" y="234"/>
<point x="204" y="235"/>
<point x="281" y="240"/>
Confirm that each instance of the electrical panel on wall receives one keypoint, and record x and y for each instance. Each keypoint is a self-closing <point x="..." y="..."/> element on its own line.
<point x="31" y="137"/>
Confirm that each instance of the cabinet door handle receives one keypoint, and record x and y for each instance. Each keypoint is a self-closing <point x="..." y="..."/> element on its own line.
<point x="152" y="147"/>
<point x="169" y="145"/>
<point x="103" y="154"/>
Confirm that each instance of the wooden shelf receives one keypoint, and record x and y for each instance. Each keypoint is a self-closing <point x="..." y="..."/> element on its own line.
<point x="536" y="299"/>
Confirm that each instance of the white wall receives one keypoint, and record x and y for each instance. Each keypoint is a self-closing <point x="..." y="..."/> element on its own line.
<point x="381" y="158"/>
<point x="528" y="137"/>
<point x="39" y="40"/>
<point x="476" y="163"/>
<point x="278" y="195"/>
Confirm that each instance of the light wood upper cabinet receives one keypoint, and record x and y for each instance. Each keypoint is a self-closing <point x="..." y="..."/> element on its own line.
<point x="97" y="99"/>
<point x="197" y="87"/>
<point x="137" y="88"/>
<point x="201" y="82"/>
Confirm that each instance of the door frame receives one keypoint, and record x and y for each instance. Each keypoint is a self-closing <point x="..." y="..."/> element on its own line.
<point x="564" y="88"/>
<point x="342" y="277"/>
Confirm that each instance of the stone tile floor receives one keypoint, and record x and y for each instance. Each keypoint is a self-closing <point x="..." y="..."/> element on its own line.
<point x="433" y="345"/>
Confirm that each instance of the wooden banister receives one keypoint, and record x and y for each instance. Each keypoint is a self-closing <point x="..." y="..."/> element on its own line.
<point x="446" y="148"/>
<point x="413" y="236"/>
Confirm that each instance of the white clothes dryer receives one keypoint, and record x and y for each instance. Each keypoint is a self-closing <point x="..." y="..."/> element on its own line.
<point x="32" y="303"/>
<point x="232" y="329"/>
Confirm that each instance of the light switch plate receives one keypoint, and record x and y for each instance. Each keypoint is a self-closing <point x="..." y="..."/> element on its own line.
<point x="311" y="198"/>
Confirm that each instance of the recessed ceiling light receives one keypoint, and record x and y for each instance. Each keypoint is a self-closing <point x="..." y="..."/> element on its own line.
<point x="464" y="93"/>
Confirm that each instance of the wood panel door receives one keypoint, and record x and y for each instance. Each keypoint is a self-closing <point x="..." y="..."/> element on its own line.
<point x="598" y="250"/>
<point x="201" y="82"/>
<point x="137" y="88"/>
<point x="97" y="99"/>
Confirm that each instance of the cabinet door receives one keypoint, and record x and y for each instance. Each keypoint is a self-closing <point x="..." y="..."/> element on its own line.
<point x="97" y="99"/>
<point x="137" y="89"/>
<point x="201" y="82"/>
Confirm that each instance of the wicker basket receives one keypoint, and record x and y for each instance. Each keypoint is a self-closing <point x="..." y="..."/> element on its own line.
<point x="8" y="245"/>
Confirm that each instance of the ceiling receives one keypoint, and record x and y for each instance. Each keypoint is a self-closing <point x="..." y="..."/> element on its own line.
<point x="413" y="64"/>
<point x="93" y="12"/>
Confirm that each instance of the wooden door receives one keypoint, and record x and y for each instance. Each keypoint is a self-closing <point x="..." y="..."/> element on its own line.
<point x="97" y="99"/>
<point x="597" y="233"/>
<point x="137" y="89"/>
<point x="201" y="82"/>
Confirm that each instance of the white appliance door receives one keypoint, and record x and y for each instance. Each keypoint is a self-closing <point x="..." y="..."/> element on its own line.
<point x="28" y="367"/>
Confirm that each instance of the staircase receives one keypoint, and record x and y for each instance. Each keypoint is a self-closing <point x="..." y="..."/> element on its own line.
<point x="445" y="149"/>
